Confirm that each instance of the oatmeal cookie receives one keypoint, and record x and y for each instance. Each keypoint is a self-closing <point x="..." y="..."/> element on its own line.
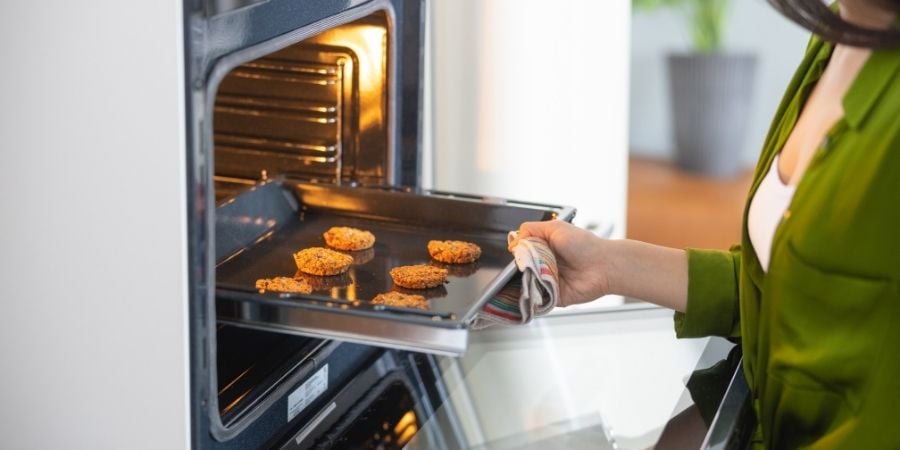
<point x="398" y="299"/>
<point x="283" y="284"/>
<point x="322" y="261"/>
<point x="454" y="252"/>
<point x="349" y="239"/>
<point x="418" y="277"/>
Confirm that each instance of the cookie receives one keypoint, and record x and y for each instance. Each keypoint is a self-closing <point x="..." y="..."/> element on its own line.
<point x="349" y="239"/>
<point x="322" y="261"/>
<point x="400" y="300"/>
<point x="418" y="277"/>
<point x="283" y="284"/>
<point x="454" y="252"/>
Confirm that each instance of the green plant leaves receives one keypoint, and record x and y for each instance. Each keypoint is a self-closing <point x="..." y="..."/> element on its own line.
<point x="706" y="19"/>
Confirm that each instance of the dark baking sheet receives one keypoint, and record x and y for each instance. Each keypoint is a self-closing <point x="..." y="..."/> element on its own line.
<point x="258" y="231"/>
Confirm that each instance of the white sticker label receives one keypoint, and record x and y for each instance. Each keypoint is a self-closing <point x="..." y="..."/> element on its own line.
<point x="307" y="392"/>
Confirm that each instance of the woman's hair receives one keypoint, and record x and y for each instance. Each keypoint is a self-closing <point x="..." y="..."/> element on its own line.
<point x="817" y="17"/>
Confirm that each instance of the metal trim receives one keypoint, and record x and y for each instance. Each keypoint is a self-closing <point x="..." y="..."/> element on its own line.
<point x="735" y="420"/>
<point x="375" y="331"/>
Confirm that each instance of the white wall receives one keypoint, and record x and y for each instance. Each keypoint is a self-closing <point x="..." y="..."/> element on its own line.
<point x="530" y="102"/>
<point x="753" y="26"/>
<point x="93" y="267"/>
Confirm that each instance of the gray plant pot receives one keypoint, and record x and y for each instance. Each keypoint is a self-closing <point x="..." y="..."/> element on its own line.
<point x="711" y="100"/>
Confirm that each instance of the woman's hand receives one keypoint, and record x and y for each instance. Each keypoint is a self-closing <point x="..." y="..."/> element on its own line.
<point x="583" y="270"/>
<point x="591" y="267"/>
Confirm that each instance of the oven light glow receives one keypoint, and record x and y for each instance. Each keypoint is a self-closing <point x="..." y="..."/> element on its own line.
<point x="351" y="290"/>
<point x="369" y="45"/>
<point x="235" y="402"/>
<point x="405" y="421"/>
<point x="238" y="378"/>
<point x="408" y="434"/>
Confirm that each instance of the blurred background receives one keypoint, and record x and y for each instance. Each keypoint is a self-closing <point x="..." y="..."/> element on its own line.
<point x="647" y="116"/>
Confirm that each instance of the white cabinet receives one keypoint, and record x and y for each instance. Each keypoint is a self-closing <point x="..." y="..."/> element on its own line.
<point x="93" y="271"/>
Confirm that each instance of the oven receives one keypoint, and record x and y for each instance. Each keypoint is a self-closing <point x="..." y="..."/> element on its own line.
<point x="302" y="115"/>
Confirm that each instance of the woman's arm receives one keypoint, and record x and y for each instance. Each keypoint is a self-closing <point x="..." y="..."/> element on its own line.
<point x="591" y="267"/>
<point x="650" y="272"/>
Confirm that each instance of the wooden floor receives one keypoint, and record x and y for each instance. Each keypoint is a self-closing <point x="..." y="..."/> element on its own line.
<point x="674" y="208"/>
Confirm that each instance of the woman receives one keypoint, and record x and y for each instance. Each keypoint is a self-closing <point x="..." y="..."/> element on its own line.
<point x="813" y="291"/>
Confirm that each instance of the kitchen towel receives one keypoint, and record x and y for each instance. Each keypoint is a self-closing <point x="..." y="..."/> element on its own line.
<point x="533" y="292"/>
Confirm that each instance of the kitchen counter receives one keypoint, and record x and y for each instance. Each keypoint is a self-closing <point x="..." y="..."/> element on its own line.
<point x="610" y="378"/>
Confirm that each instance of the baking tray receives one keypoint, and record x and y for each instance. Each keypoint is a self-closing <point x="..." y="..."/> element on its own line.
<point x="259" y="229"/>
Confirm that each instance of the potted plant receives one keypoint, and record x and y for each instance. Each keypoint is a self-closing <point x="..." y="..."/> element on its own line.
<point x="711" y="90"/>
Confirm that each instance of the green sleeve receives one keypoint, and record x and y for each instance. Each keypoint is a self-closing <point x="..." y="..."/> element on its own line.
<point x="712" y="305"/>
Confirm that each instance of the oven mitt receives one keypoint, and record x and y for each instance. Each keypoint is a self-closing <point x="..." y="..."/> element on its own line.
<point x="533" y="291"/>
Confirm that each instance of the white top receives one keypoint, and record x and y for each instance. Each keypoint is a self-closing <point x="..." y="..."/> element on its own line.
<point x="767" y="207"/>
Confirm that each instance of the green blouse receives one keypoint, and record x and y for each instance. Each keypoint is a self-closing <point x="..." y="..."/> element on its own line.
<point x="821" y="330"/>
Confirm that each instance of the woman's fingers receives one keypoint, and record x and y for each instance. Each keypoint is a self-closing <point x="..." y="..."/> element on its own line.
<point x="537" y="229"/>
<point x="528" y="229"/>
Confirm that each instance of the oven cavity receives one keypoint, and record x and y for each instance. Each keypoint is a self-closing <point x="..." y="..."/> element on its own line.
<point x="315" y="109"/>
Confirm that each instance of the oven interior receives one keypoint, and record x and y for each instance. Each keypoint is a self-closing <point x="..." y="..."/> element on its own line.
<point x="316" y="110"/>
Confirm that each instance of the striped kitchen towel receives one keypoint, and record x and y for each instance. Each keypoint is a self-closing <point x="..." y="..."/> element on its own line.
<point x="533" y="292"/>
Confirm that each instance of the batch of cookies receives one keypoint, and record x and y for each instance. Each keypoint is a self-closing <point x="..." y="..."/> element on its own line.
<point x="322" y="263"/>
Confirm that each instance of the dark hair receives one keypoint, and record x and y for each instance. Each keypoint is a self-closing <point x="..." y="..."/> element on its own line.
<point x="817" y="17"/>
